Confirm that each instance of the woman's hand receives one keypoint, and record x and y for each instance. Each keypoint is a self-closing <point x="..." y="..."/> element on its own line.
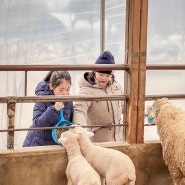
<point x="59" y="105"/>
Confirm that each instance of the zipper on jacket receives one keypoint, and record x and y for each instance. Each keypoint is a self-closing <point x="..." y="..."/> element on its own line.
<point x="113" y="119"/>
<point x="107" y="101"/>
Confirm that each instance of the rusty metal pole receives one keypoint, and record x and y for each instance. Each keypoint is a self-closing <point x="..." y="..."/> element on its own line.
<point x="11" y="116"/>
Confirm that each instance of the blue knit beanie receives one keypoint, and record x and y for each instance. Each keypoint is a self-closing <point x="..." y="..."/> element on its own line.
<point x="105" y="58"/>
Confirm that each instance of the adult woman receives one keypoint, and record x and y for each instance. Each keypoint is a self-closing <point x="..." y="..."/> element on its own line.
<point x="100" y="112"/>
<point x="46" y="114"/>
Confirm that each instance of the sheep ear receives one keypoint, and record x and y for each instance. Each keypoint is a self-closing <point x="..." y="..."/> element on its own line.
<point x="72" y="128"/>
<point x="77" y="135"/>
<point x="90" y="134"/>
<point x="78" y="130"/>
<point x="61" y="140"/>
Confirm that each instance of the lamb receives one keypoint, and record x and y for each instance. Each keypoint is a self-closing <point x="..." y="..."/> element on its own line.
<point x="78" y="171"/>
<point x="114" y="167"/>
<point x="170" y="121"/>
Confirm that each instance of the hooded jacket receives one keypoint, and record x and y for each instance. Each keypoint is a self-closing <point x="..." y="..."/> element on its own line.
<point x="45" y="115"/>
<point x="100" y="112"/>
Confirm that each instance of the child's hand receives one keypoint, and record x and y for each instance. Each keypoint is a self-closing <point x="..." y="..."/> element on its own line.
<point x="59" y="105"/>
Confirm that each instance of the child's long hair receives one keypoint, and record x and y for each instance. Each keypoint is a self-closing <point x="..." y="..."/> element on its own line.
<point x="56" y="77"/>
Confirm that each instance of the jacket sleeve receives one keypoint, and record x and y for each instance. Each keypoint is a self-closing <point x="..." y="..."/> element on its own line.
<point x="45" y="116"/>
<point x="80" y="112"/>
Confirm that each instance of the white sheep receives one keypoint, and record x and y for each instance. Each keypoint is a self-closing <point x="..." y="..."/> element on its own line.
<point x="114" y="167"/>
<point x="78" y="171"/>
<point x="170" y="121"/>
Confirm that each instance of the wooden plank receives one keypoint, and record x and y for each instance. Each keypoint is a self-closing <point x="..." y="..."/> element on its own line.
<point x="11" y="115"/>
<point x="132" y="41"/>
<point x="136" y="60"/>
<point x="142" y="71"/>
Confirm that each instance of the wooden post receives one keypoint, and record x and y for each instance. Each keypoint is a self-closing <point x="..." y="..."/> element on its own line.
<point x="11" y="115"/>
<point x="142" y="71"/>
<point x="136" y="21"/>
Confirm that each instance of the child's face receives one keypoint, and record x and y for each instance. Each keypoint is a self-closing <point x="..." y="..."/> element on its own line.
<point x="102" y="77"/>
<point x="62" y="89"/>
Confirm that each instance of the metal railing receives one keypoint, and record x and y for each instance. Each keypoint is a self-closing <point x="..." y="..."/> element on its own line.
<point x="12" y="100"/>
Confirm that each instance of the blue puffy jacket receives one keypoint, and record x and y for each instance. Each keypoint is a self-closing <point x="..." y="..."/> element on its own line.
<point x="45" y="115"/>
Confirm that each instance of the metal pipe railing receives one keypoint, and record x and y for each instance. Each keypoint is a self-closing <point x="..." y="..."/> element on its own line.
<point x="12" y="100"/>
<point x="33" y="99"/>
<point x="103" y="67"/>
<point x="169" y="96"/>
<point x="165" y="67"/>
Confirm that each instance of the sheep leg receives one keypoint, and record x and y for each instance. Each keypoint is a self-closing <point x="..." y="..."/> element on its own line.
<point x="69" y="182"/>
<point x="178" y="178"/>
<point x="182" y="182"/>
<point x="103" y="181"/>
<point x="177" y="181"/>
<point x="130" y="183"/>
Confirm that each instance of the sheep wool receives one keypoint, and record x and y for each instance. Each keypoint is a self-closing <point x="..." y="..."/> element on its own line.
<point x="170" y="121"/>
<point x="114" y="167"/>
<point x="78" y="171"/>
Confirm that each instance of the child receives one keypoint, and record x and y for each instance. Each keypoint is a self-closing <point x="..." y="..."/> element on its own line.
<point x="103" y="113"/>
<point x="46" y="114"/>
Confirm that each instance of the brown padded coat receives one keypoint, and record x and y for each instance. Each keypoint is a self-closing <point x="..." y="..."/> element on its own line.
<point x="100" y="112"/>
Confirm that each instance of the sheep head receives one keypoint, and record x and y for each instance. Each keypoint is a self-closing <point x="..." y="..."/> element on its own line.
<point x="150" y="114"/>
<point x="64" y="137"/>
<point x="81" y="131"/>
<point x="157" y="106"/>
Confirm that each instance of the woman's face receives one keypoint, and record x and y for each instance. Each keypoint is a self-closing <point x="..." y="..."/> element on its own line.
<point x="103" y="77"/>
<point x="62" y="89"/>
